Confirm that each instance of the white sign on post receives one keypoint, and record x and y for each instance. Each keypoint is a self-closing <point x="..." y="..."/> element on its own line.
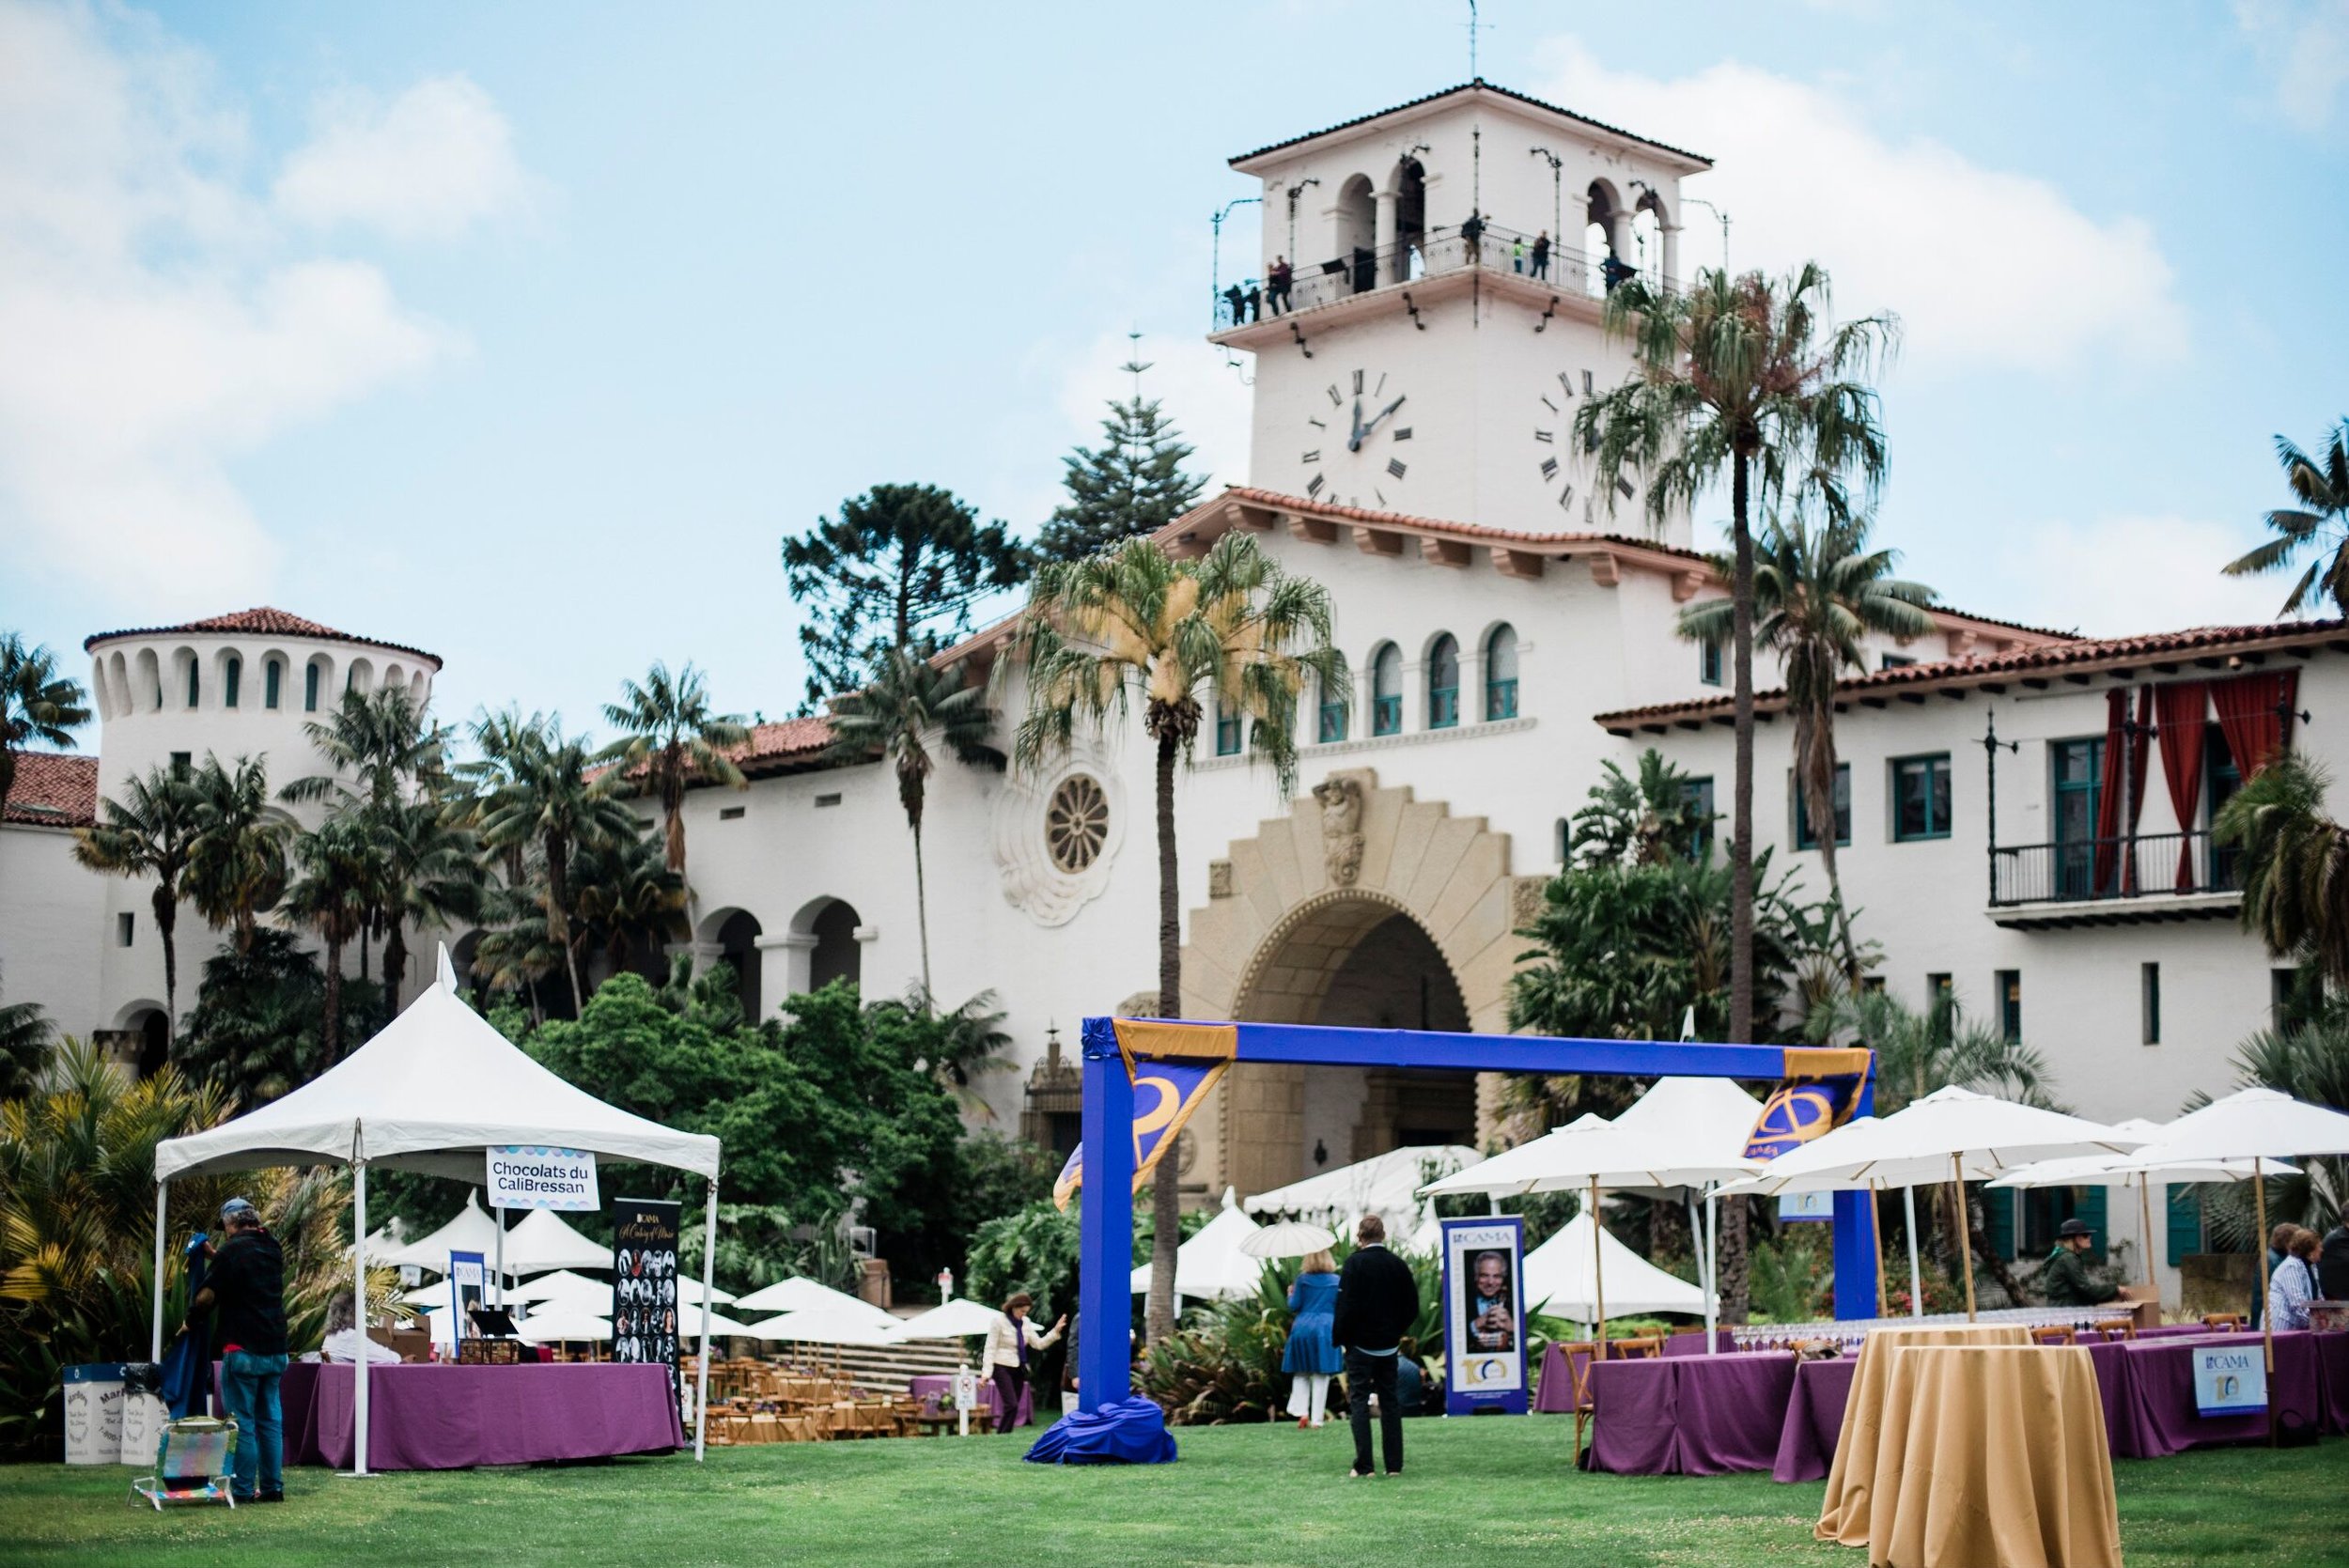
<point x="2231" y="1381"/>
<point x="526" y="1176"/>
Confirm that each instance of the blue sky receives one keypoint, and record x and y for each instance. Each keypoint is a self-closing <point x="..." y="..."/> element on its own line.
<point x="525" y="333"/>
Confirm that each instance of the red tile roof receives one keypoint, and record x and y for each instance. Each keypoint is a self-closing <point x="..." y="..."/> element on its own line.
<point x="260" y="621"/>
<point x="1478" y="84"/>
<point x="2057" y="658"/>
<point x="53" y="790"/>
<point x="774" y="746"/>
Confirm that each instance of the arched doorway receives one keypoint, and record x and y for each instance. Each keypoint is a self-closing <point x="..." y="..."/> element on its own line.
<point x="1354" y="960"/>
<point x="152" y="1027"/>
<point x="837" y="954"/>
<point x="735" y="935"/>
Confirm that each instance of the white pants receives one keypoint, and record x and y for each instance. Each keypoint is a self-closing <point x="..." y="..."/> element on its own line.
<point x="1309" y="1395"/>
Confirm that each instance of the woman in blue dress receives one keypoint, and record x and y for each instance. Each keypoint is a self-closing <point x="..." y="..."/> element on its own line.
<point x="1311" y="1356"/>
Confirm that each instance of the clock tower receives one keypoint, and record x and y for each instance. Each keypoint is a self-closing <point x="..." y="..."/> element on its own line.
<point x="1446" y="264"/>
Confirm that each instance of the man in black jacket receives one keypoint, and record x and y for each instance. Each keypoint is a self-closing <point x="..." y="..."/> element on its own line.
<point x="247" y="1293"/>
<point x="2332" y="1264"/>
<point x="1377" y="1303"/>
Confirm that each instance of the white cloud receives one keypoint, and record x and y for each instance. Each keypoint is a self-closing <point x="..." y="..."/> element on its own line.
<point x="426" y="165"/>
<point x="2306" y="44"/>
<point x="2119" y="576"/>
<point x="159" y="321"/>
<point x="1986" y="268"/>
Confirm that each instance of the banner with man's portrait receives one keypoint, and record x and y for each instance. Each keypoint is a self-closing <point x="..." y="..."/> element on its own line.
<point x="1484" y="1315"/>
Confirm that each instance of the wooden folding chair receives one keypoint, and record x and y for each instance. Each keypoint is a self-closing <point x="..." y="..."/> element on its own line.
<point x="2225" y="1322"/>
<point x="1648" y="1347"/>
<point x="1579" y="1353"/>
<point x="2053" y="1333"/>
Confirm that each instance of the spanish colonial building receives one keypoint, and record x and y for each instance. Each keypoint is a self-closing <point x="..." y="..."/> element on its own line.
<point x="1510" y="625"/>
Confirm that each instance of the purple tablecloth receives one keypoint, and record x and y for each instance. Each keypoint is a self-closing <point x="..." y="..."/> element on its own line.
<point x="1691" y="1415"/>
<point x="1814" y="1419"/>
<point x="452" y="1417"/>
<point x="932" y="1389"/>
<point x="1693" y="1344"/>
<point x="2156" y="1413"/>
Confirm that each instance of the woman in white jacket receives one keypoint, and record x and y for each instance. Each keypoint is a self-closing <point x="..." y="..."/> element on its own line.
<point x="1010" y="1341"/>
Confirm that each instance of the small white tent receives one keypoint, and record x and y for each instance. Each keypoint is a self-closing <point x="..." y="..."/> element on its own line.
<point x="434" y="1091"/>
<point x="473" y="1229"/>
<point x="1384" y="1185"/>
<point x="1559" y="1281"/>
<point x="542" y="1240"/>
<point x="1210" y="1266"/>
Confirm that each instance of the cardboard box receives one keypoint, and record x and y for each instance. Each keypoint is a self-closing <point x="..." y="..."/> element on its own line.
<point x="2144" y="1304"/>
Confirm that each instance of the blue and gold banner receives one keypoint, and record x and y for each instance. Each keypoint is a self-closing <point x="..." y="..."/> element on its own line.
<point x="1173" y="1067"/>
<point x="1819" y="1090"/>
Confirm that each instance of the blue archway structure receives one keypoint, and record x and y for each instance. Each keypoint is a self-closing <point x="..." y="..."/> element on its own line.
<point x="1104" y="1370"/>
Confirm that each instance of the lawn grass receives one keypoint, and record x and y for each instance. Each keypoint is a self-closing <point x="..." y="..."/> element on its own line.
<point x="1477" y="1492"/>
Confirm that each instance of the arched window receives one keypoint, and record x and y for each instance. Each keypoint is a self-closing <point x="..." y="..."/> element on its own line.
<point x="1443" y="683"/>
<point x="231" y="680"/>
<point x="1334" y="706"/>
<point x="1357" y="230"/>
<point x="1500" y="674"/>
<point x="273" y="682"/>
<point x="310" y="688"/>
<point x="196" y="685"/>
<point x="1386" y="690"/>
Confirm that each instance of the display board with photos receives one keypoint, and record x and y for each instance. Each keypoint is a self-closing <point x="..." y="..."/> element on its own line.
<point x="645" y="1233"/>
<point x="1484" y="1315"/>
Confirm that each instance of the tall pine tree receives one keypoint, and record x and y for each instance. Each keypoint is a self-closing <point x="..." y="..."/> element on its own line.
<point x="1132" y="482"/>
<point x="901" y="567"/>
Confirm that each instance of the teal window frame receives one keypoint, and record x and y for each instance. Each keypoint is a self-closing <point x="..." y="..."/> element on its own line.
<point x="1333" y="719"/>
<point x="1709" y="661"/>
<point x="310" y="688"/>
<point x="1443" y="699"/>
<point x="1804" y="837"/>
<point x="1227" y="732"/>
<point x="195" y="683"/>
<point x="2076" y="853"/>
<point x="2148" y="1001"/>
<point x="1386" y="687"/>
<point x="232" y="681"/>
<point x="1699" y="793"/>
<point x="273" y="682"/>
<point x="1933" y="766"/>
<point x="1501" y="690"/>
<point x="2008" y="987"/>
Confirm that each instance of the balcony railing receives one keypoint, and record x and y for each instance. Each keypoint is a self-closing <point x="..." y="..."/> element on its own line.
<point x="2085" y="870"/>
<point x="1572" y="272"/>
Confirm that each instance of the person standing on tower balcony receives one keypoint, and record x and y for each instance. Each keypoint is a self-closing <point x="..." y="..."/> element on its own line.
<point x="1276" y="284"/>
<point x="1541" y="255"/>
<point x="1235" y="300"/>
<point x="1517" y="255"/>
<point x="1255" y="304"/>
<point x="1471" y="237"/>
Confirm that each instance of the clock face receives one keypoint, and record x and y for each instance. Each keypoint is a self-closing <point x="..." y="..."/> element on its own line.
<point x="1355" y="450"/>
<point x="1559" y="456"/>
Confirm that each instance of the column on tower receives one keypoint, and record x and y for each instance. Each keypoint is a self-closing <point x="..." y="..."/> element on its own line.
<point x="1390" y="254"/>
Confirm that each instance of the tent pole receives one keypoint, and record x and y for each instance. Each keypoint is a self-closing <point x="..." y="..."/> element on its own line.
<point x="1598" y="1278"/>
<point x="1964" y="1228"/>
<point x="1916" y="1275"/>
<point x="2258" y="1245"/>
<point x="359" y="1314"/>
<point x="1712" y="1271"/>
<point x="1876" y="1235"/>
<point x="155" y="1345"/>
<point x="2145" y="1213"/>
<point x="498" y="1214"/>
<point x="709" y="1263"/>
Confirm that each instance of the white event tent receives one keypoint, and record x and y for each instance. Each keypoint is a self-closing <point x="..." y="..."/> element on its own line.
<point x="431" y="1092"/>
<point x="1563" y="1278"/>
<point x="1210" y="1266"/>
<point x="798" y="1293"/>
<point x="1384" y="1185"/>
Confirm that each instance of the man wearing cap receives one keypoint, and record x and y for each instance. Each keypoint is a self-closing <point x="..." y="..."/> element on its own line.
<point x="247" y="1294"/>
<point x="2064" y="1280"/>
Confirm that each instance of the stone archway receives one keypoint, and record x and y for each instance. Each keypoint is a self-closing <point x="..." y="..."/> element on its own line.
<point x="1361" y="905"/>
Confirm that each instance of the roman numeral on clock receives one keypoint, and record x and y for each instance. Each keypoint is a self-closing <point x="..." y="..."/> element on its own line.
<point x="1337" y="399"/>
<point x="1549" y="436"/>
<point x="1312" y="486"/>
<point x="1394" y="466"/>
<point x="1357" y="384"/>
<point x="1403" y="434"/>
<point x="1622" y="487"/>
<point x="1565" y="497"/>
<point x="1550" y="468"/>
<point x="1565" y="381"/>
<point x="1311" y="457"/>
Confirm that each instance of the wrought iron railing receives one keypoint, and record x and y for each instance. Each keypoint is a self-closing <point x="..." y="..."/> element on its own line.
<point x="2145" y="866"/>
<point x="1571" y="272"/>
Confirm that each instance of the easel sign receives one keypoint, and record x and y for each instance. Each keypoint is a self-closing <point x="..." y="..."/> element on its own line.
<point x="2230" y="1381"/>
<point x="1483" y="1316"/>
<point x="468" y="1276"/>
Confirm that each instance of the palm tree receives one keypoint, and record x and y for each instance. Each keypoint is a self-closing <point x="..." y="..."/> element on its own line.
<point x="630" y="899"/>
<point x="381" y="740"/>
<point x="2294" y="862"/>
<point x="426" y="874"/>
<point x="26" y="1033"/>
<point x="667" y="730"/>
<point x="331" y="894"/>
<point x="1134" y="622"/>
<point x="1818" y="593"/>
<point x="2320" y="519"/>
<point x="545" y="790"/>
<point x="150" y="831"/>
<point x="1742" y="374"/>
<point x="36" y="703"/>
<point x="910" y="705"/>
<point x="237" y="866"/>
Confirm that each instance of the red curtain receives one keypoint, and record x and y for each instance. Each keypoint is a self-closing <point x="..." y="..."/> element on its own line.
<point x="2178" y="710"/>
<point x="2255" y="715"/>
<point x="2109" y="829"/>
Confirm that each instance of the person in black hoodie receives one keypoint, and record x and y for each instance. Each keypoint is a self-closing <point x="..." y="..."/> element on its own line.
<point x="2332" y="1264"/>
<point x="247" y="1294"/>
<point x="1377" y="1303"/>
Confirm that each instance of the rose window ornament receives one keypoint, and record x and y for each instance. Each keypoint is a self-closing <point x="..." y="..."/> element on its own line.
<point x="1076" y="822"/>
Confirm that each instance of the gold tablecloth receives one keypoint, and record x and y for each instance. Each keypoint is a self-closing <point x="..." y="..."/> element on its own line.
<point x="1851" y="1479"/>
<point x="1993" y="1457"/>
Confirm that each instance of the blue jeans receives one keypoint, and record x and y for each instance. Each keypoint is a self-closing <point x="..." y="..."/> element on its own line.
<point x="248" y="1383"/>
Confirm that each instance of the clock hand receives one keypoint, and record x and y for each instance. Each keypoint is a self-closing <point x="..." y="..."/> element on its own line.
<point x="1381" y="418"/>
<point x="1354" y="441"/>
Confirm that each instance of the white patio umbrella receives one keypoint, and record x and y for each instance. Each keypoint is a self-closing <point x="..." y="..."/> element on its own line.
<point x="1212" y="1265"/>
<point x="2135" y="1170"/>
<point x="1592" y="1153"/>
<point x="689" y="1319"/>
<point x="950" y="1320"/>
<point x="567" y="1323"/>
<point x="1951" y="1134"/>
<point x="565" y="1286"/>
<point x="831" y="1325"/>
<point x="798" y="1293"/>
<point x="1288" y="1238"/>
<point x="2262" y="1125"/>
